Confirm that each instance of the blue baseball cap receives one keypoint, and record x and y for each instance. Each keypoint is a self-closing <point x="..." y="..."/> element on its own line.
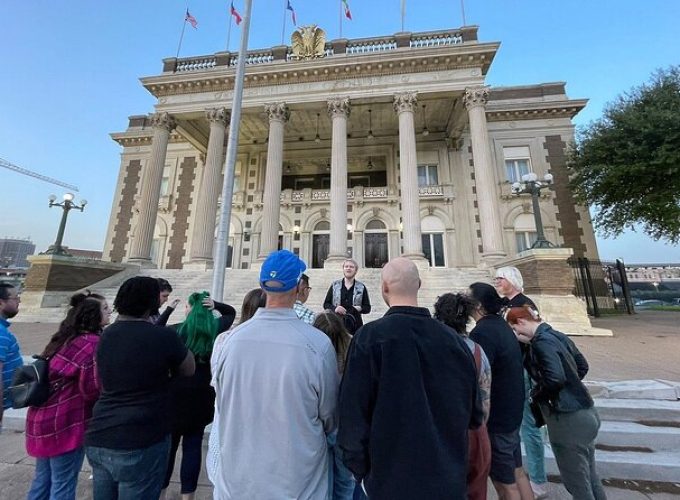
<point x="281" y="271"/>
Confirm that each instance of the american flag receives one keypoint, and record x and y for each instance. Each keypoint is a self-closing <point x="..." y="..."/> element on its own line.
<point x="236" y="15"/>
<point x="191" y="20"/>
<point x="292" y="12"/>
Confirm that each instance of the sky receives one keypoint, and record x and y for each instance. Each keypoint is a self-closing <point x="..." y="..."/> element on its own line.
<point x="69" y="77"/>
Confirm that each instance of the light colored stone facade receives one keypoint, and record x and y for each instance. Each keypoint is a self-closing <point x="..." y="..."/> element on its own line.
<point x="385" y="146"/>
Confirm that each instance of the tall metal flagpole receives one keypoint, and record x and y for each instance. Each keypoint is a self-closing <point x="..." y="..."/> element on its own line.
<point x="403" y="14"/>
<point x="462" y="8"/>
<point x="341" y="12"/>
<point x="283" y="30"/>
<point x="231" y="20"/>
<point x="222" y="243"/>
<point x="181" y="36"/>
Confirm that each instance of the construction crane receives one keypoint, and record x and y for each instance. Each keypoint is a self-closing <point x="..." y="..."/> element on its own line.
<point x="10" y="166"/>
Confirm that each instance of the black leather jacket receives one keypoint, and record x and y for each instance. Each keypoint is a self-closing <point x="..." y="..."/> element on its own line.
<point x="556" y="367"/>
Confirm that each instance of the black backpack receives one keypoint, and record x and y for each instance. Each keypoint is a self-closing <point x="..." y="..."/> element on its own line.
<point x="30" y="384"/>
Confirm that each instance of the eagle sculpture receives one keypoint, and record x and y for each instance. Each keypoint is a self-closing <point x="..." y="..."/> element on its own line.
<point x="309" y="42"/>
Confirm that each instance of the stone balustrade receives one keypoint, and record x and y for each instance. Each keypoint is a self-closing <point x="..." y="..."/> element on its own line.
<point x="355" y="47"/>
<point x="289" y="196"/>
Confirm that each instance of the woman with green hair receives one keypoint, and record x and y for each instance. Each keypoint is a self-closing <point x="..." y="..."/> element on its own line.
<point x="193" y="398"/>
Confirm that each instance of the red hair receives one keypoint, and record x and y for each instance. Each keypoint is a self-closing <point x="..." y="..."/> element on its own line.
<point x="525" y="312"/>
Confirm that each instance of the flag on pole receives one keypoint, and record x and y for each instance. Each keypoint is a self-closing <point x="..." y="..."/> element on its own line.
<point x="237" y="16"/>
<point x="292" y="12"/>
<point x="191" y="20"/>
<point x="348" y="13"/>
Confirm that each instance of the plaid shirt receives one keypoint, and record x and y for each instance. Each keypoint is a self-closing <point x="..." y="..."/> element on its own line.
<point x="58" y="426"/>
<point x="303" y="312"/>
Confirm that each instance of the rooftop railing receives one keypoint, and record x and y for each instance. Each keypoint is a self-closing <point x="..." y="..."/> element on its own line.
<point x="344" y="47"/>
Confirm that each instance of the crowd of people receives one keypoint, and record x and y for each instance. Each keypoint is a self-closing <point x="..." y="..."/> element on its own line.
<point x="309" y="404"/>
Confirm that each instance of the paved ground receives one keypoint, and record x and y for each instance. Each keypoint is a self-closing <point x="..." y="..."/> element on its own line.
<point x="644" y="346"/>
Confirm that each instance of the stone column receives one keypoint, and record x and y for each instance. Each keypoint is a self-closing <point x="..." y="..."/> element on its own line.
<point x="405" y="104"/>
<point x="278" y="114"/>
<point x="140" y="249"/>
<point x="487" y="198"/>
<point x="203" y="235"/>
<point x="358" y="248"/>
<point x="338" y="110"/>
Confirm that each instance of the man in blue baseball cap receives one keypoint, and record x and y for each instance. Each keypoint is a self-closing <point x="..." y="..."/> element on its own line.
<point x="276" y="382"/>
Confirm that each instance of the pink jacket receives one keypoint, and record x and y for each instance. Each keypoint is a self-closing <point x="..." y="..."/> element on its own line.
<point x="58" y="426"/>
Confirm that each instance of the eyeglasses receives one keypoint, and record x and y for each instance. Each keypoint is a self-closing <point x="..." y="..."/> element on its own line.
<point x="498" y="278"/>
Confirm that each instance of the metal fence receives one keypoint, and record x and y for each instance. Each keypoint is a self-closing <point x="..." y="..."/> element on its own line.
<point x="603" y="285"/>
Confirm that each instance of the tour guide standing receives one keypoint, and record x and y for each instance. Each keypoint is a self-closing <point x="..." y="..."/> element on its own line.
<point x="10" y="356"/>
<point x="408" y="397"/>
<point x="276" y="382"/>
<point x="347" y="296"/>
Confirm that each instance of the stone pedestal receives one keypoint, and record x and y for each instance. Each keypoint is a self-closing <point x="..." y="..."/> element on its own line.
<point x="549" y="282"/>
<point x="52" y="279"/>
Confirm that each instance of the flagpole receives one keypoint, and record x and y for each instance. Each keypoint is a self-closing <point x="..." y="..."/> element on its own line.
<point x="403" y="14"/>
<point x="340" y="19"/>
<point x="231" y="20"/>
<point x="462" y="8"/>
<point x="222" y="243"/>
<point x="181" y="36"/>
<point x="283" y="31"/>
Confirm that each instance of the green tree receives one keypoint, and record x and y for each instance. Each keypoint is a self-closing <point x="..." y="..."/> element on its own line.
<point x="627" y="163"/>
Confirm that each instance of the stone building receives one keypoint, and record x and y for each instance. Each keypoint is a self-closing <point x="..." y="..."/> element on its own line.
<point x="371" y="147"/>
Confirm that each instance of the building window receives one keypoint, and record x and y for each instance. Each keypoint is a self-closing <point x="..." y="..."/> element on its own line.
<point x="517" y="162"/>
<point x="433" y="240"/>
<point x="427" y="175"/>
<point x="524" y="240"/>
<point x="165" y="181"/>
<point x="525" y="232"/>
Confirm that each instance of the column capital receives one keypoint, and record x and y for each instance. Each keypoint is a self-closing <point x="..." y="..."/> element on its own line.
<point x="218" y="115"/>
<point x="163" y="120"/>
<point x="277" y="111"/>
<point x="476" y="96"/>
<point x="405" y="101"/>
<point x="338" y="106"/>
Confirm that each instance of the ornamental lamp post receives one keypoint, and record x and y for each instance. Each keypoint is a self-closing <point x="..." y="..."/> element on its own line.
<point x="531" y="185"/>
<point x="67" y="205"/>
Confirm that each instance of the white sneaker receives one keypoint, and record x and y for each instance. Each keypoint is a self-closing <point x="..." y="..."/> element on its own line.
<point x="540" y="490"/>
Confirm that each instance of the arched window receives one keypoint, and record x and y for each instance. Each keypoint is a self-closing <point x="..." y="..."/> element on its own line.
<point x="323" y="225"/>
<point x="525" y="232"/>
<point x="376" y="252"/>
<point x="375" y="224"/>
<point x="432" y="230"/>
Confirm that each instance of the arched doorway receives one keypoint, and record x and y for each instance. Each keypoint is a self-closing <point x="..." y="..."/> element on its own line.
<point x="433" y="240"/>
<point x="320" y="243"/>
<point x="375" y="244"/>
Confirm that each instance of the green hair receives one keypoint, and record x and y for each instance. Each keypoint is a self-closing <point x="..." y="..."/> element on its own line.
<point x="200" y="326"/>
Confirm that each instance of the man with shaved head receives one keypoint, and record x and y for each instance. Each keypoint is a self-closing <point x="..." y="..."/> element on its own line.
<point x="408" y="398"/>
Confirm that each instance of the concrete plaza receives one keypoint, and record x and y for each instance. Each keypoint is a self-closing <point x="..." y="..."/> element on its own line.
<point x="644" y="346"/>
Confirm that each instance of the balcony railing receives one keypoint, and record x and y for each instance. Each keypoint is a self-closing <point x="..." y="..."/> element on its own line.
<point x="356" y="47"/>
<point x="358" y="194"/>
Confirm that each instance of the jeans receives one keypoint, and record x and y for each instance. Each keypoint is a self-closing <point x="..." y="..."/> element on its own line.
<point x="572" y="437"/>
<point x="129" y="474"/>
<point x="341" y="480"/>
<point x="533" y="440"/>
<point x="190" y="468"/>
<point x="56" y="478"/>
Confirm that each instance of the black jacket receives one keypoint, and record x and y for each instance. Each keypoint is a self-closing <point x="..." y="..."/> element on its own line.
<point x="557" y="366"/>
<point x="407" y="399"/>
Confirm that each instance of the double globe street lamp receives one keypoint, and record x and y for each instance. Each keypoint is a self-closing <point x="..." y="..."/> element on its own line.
<point x="67" y="205"/>
<point x="531" y="185"/>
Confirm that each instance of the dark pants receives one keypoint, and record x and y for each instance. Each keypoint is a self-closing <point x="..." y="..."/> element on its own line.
<point x="128" y="474"/>
<point x="192" y="451"/>
<point x="572" y="438"/>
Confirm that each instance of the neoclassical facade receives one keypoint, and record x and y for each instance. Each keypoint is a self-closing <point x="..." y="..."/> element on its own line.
<point x="372" y="147"/>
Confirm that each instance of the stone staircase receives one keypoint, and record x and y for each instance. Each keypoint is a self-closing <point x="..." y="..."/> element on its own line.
<point x="639" y="440"/>
<point x="239" y="281"/>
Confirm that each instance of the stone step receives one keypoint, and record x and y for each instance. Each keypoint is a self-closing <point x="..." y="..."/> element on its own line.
<point x="662" y="467"/>
<point x="634" y="436"/>
<point x="645" y="411"/>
